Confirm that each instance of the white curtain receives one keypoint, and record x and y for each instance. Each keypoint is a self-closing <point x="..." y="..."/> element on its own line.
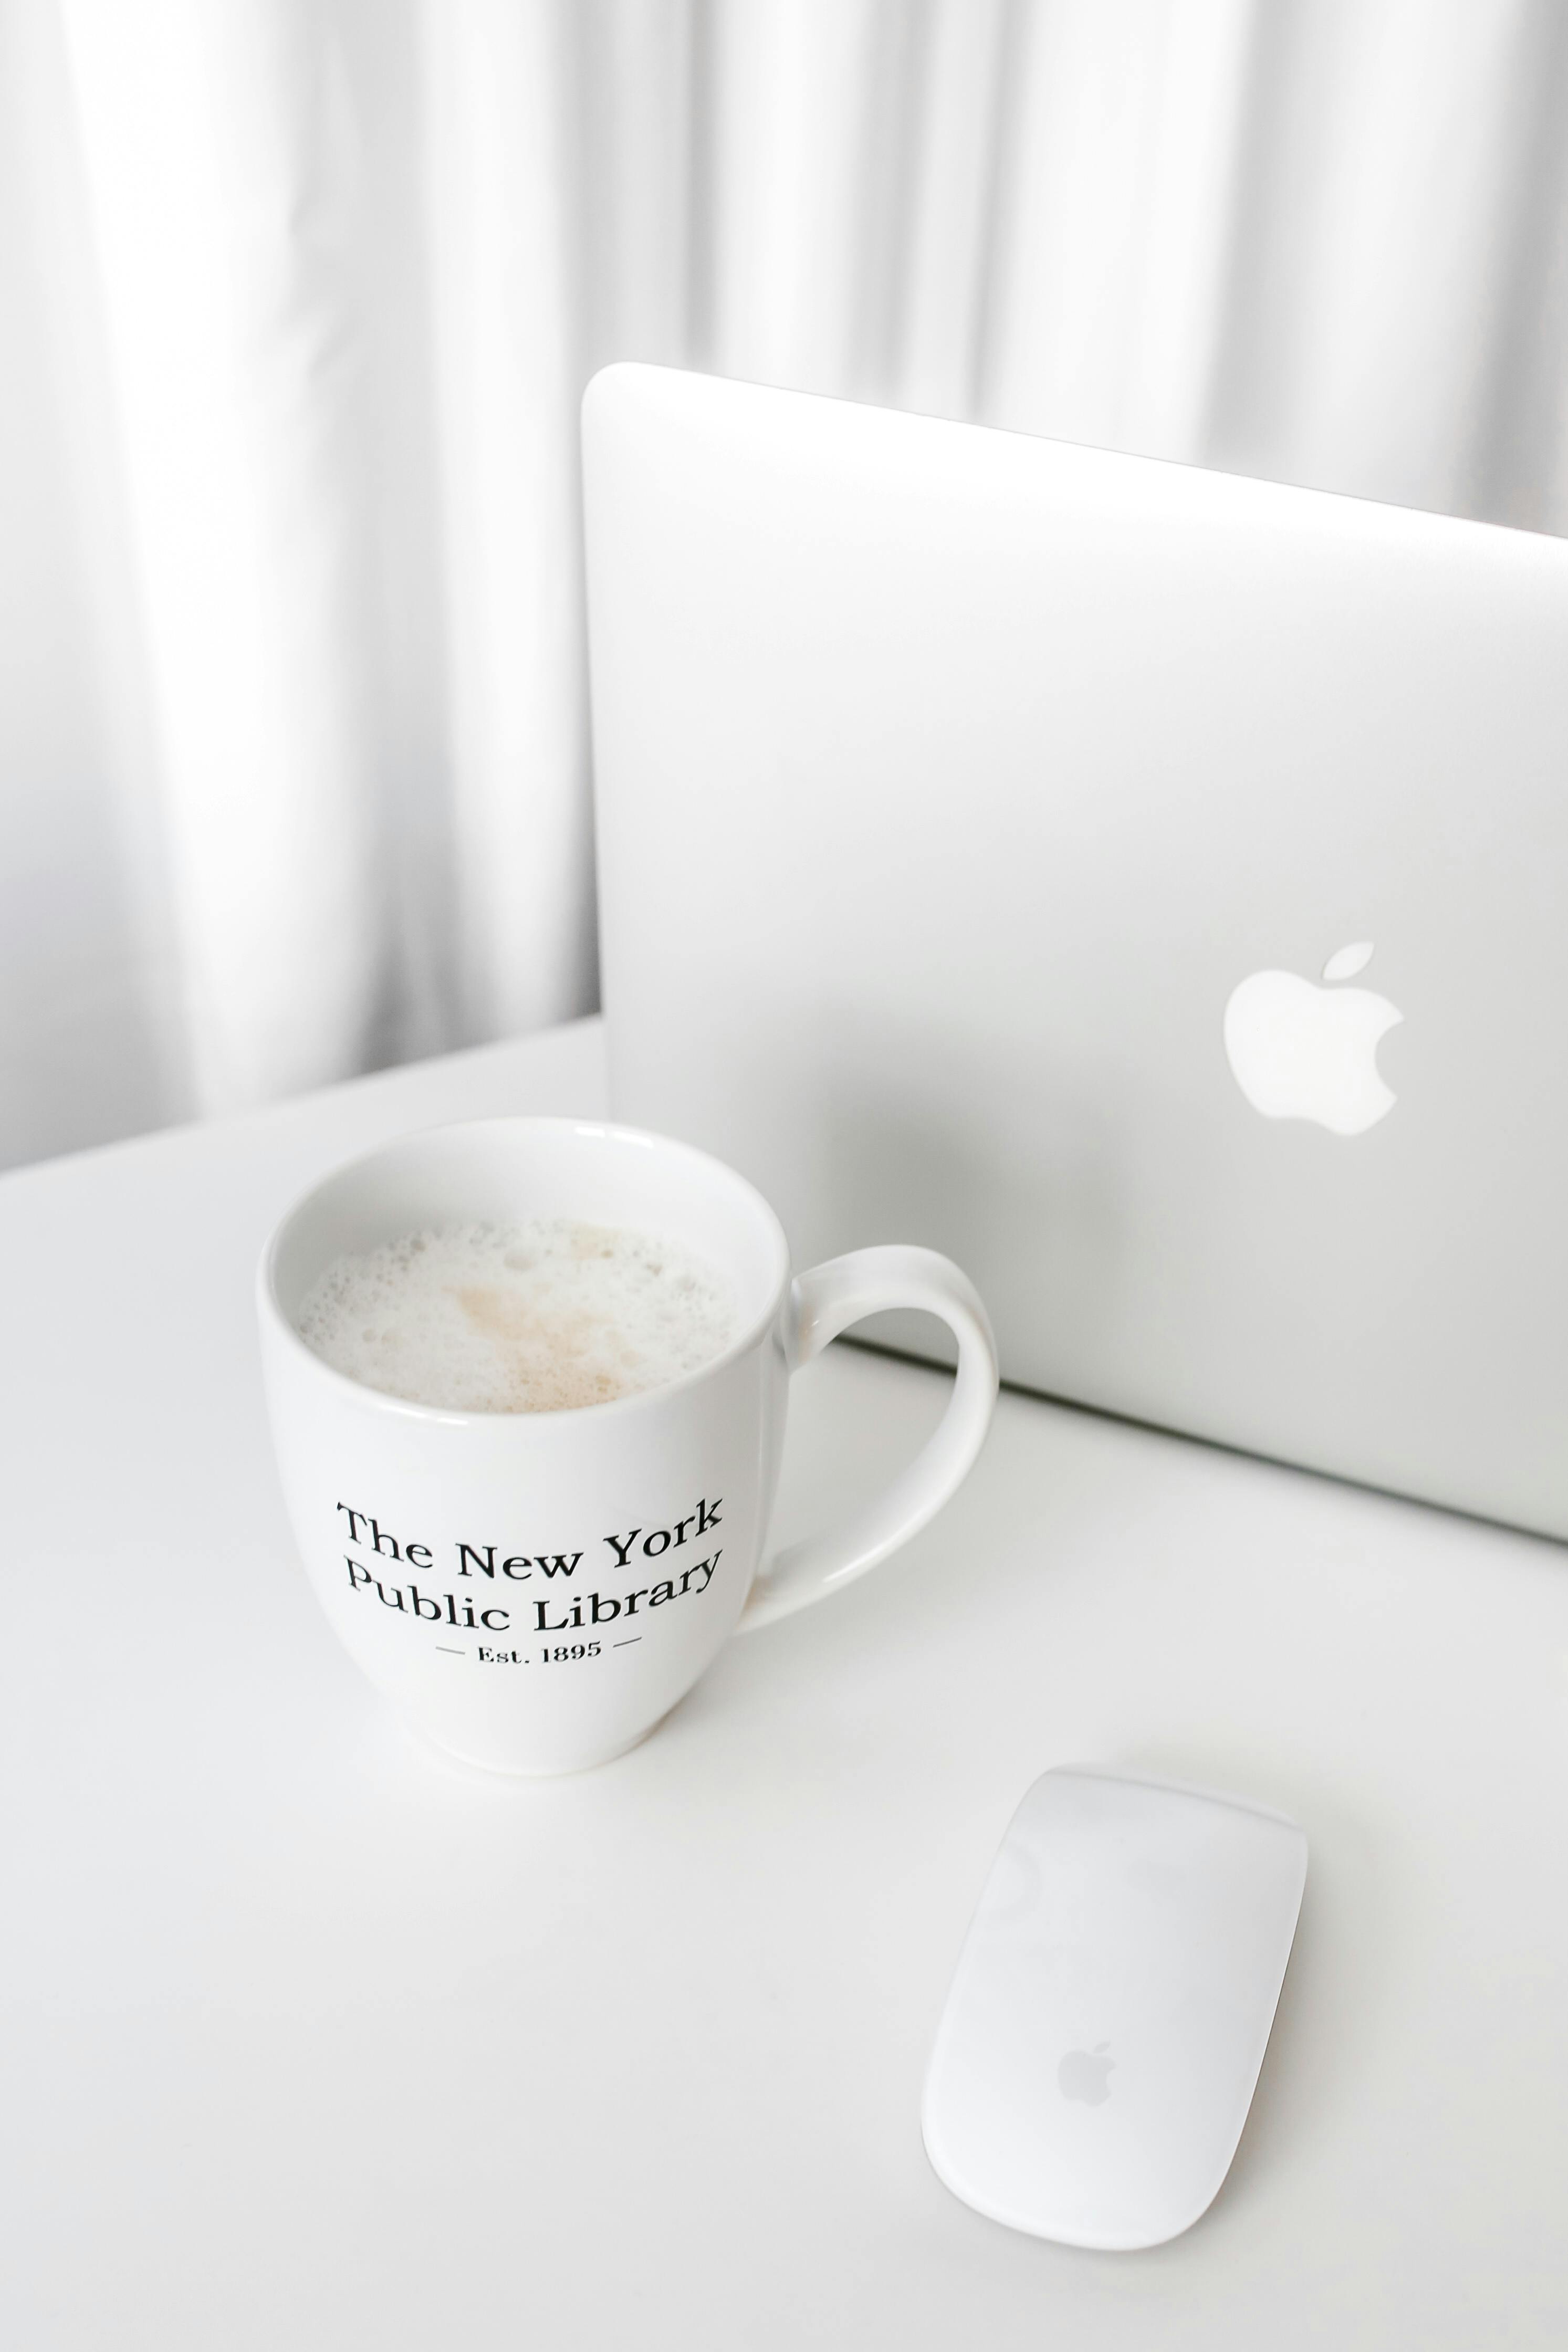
<point x="296" y="299"/>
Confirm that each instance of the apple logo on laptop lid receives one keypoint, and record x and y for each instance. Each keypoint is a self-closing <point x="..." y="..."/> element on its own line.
<point x="1299" y="1051"/>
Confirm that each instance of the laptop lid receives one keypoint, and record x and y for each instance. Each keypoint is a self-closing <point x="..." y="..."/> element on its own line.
<point x="1144" y="885"/>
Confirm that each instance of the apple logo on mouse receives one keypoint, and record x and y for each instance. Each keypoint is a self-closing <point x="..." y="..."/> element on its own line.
<point x="1083" y="2075"/>
<point x="1298" y="1051"/>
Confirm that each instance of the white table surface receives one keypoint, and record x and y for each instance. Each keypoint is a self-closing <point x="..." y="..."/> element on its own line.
<point x="313" y="2041"/>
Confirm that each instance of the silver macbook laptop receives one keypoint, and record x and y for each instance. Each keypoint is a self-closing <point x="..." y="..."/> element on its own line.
<point x="1149" y="887"/>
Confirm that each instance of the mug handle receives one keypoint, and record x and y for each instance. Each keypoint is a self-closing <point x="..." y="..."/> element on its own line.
<point x="824" y="1302"/>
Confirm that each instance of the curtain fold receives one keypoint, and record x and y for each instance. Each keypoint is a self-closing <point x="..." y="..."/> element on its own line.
<point x="352" y="261"/>
<point x="1120" y="149"/>
<point x="507" y="267"/>
<point x="218" y="145"/>
<point x="1396" y="289"/>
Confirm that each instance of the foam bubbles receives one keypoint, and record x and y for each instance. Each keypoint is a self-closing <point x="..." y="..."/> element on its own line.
<point x="539" y="1317"/>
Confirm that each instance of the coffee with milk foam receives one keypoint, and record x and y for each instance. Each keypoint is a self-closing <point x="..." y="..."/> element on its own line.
<point x="538" y="1316"/>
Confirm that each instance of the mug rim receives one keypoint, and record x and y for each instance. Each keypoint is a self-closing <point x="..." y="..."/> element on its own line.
<point x="601" y="1130"/>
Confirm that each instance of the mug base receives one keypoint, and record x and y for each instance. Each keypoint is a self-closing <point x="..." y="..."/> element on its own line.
<point x="491" y="1771"/>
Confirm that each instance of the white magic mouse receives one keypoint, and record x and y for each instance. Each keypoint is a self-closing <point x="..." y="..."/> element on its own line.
<point x="1103" y="2036"/>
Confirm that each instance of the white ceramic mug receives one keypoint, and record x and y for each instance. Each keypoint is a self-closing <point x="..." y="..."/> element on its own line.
<point x="535" y="1590"/>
